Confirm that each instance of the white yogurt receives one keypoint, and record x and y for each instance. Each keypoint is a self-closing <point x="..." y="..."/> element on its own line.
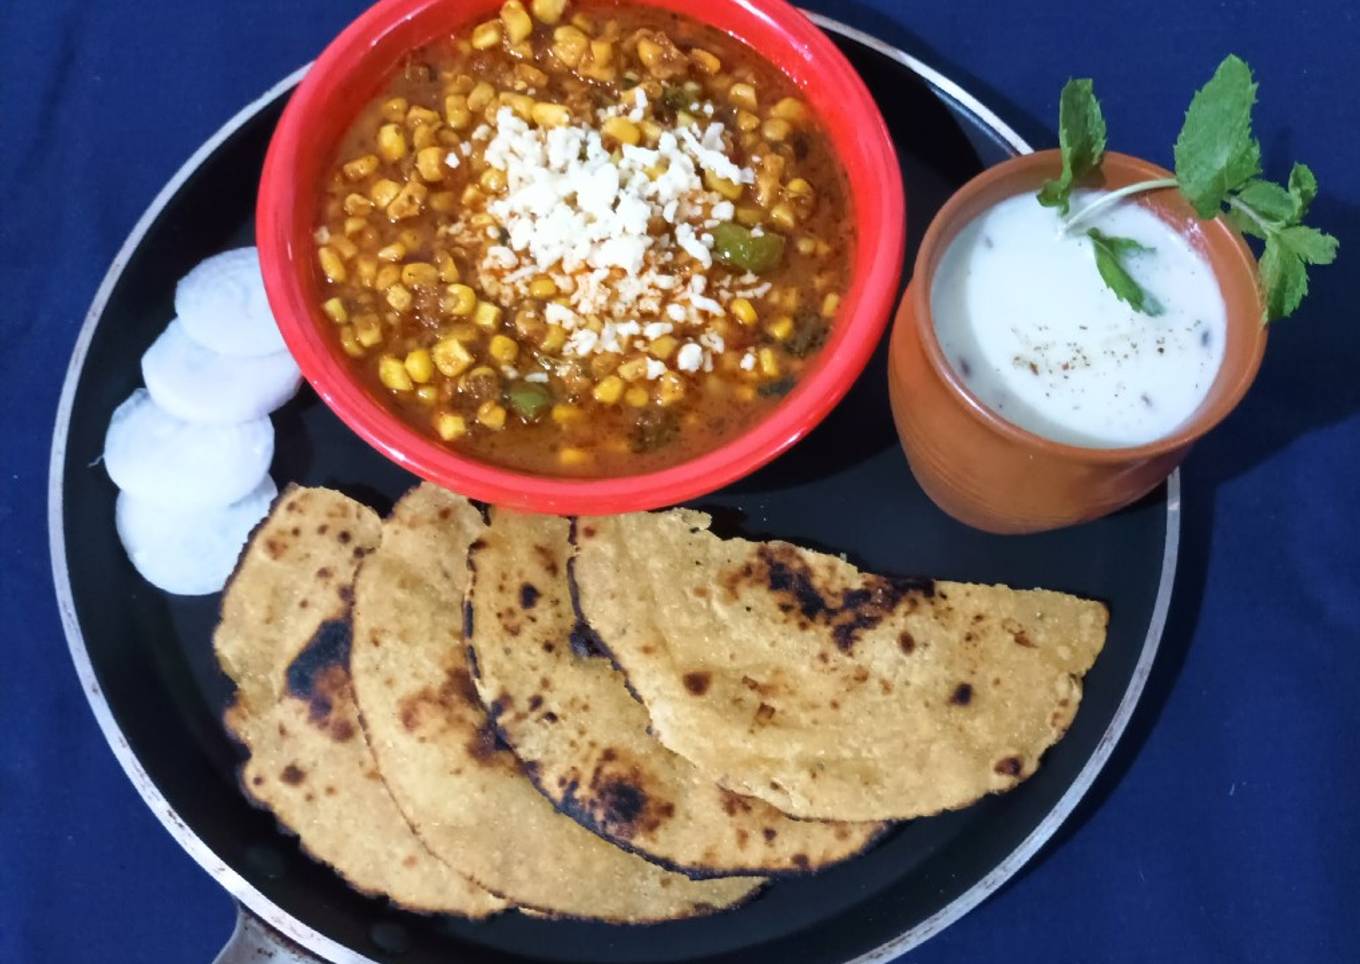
<point x="1024" y="317"/>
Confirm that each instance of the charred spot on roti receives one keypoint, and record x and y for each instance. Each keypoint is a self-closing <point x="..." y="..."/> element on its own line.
<point x="321" y="670"/>
<point x="800" y="861"/>
<point x="585" y="642"/>
<point x="764" y="713"/>
<point x="769" y="833"/>
<point x="528" y="595"/>
<point x="697" y="682"/>
<point x="848" y="612"/>
<point x="1010" y="766"/>
<point x="962" y="695"/>
<point x="546" y="559"/>
<point x="293" y="774"/>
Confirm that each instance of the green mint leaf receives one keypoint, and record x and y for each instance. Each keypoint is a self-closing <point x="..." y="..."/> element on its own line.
<point x="1081" y="138"/>
<point x="1216" y="152"/>
<point x="1245" y="223"/>
<point x="1310" y="245"/>
<point x="1283" y="278"/>
<point x="1303" y="187"/>
<point x="1269" y="201"/>
<point x="1110" y="253"/>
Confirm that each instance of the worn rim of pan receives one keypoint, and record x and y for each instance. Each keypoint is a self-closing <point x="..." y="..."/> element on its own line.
<point x="251" y="900"/>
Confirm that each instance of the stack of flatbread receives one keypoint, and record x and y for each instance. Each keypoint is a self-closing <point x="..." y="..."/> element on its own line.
<point x="624" y="718"/>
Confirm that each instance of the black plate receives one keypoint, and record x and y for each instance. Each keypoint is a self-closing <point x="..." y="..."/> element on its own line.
<point x="148" y="666"/>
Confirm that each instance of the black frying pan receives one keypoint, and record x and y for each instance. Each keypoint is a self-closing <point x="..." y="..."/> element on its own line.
<point x="146" y="663"/>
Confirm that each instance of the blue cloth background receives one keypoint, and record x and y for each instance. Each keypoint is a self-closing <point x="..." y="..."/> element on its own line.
<point x="1225" y="828"/>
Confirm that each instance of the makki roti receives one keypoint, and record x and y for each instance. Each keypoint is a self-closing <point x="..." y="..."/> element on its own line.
<point x="583" y="738"/>
<point x="461" y="789"/>
<point x="284" y="640"/>
<point x="789" y="675"/>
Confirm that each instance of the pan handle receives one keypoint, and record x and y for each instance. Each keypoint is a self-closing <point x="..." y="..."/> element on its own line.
<point x="255" y="942"/>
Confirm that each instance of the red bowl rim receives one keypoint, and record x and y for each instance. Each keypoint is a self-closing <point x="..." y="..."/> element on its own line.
<point x="782" y="35"/>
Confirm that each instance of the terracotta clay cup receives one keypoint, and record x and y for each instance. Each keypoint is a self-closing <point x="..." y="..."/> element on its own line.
<point x="993" y="475"/>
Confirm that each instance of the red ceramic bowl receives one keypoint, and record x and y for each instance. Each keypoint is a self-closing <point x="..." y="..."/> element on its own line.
<point x="351" y="71"/>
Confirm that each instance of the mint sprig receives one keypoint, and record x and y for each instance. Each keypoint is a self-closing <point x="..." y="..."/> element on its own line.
<point x="1081" y="136"/>
<point x="1218" y="167"/>
<point x="1111" y="254"/>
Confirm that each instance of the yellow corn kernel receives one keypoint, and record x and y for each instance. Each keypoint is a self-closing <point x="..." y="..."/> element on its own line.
<point x="388" y="275"/>
<point x="663" y="347"/>
<point x="572" y="457"/>
<point x="394" y="109"/>
<point x="521" y="104"/>
<point x="743" y="96"/>
<point x="518" y="24"/>
<point x="744" y="311"/>
<point x="670" y="388"/>
<point x="486" y="315"/>
<point x="392" y="252"/>
<point x="554" y="339"/>
<point x="427" y="394"/>
<point x="492" y="415"/>
<point x="769" y="362"/>
<point x="392" y="373"/>
<point x="448" y="268"/>
<point x="632" y="370"/>
<point x="492" y="180"/>
<point x="361" y="167"/>
<point x="503" y="349"/>
<point x="368" y="329"/>
<point x="384" y="191"/>
<point x="419" y="365"/>
<point x="399" y="297"/>
<point x="350" y="343"/>
<point x="705" y="61"/>
<point x="609" y="390"/>
<point x="335" y="310"/>
<point x="776" y="129"/>
<point x="358" y="205"/>
<point x="748" y="215"/>
<point x="419" y="273"/>
<point x="460" y="300"/>
<point x="543" y="287"/>
<point x="830" y="303"/>
<point x="424" y="137"/>
<point x="728" y="189"/>
<point x="564" y="414"/>
<point x="456" y="112"/>
<point x="442" y="201"/>
<point x="790" y="298"/>
<point x="481" y="220"/>
<point x="462" y="84"/>
<point x="419" y="116"/>
<point x="636" y="397"/>
<point x="548" y="11"/>
<point x="331" y="263"/>
<point x="768" y="176"/>
<point x="344" y="247"/>
<point x="790" y="109"/>
<point x="746" y="121"/>
<point x="354" y="225"/>
<point x="798" y="188"/>
<point x="780" y="328"/>
<point x="430" y="163"/>
<point x="366" y="269"/>
<point x="391" y="142"/>
<point x="480" y="96"/>
<point x="651" y="133"/>
<point x="782" y="215"/>
<point x="569" y="45"/>
<point x="583" y="22"/>
<point x="806" y="244"/>
<point x="602" y="52"/>
<point x="408" y="202"/>
<point x="622" y="130"/>
<point x="545" y="114"/>
<point x="450" y="426"/>
<point x="486" y="35"/>
<point x="451" y="357"/>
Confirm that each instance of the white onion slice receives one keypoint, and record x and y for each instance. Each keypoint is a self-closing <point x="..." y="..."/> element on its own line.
<point x="198" y="385"/>
<point x="189" y="551"/>
<point x="223" y="306"/>
<point x="157" y="457"/>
